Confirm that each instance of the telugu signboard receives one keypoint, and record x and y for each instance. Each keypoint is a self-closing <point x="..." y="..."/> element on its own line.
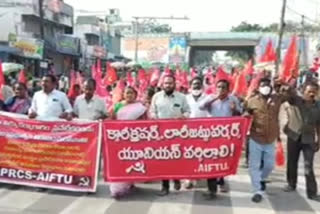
<point x="29" y="47"/>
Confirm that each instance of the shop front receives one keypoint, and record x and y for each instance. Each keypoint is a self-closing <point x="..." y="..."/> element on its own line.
<point x="67" y="54"/>
<point x="28" y="52"/>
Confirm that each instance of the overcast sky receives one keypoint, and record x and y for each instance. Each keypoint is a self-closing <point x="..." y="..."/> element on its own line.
<point x="205" y="15"/>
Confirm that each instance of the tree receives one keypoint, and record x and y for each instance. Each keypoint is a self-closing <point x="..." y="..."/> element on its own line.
<point x="246" y="27"/>
<point x="290" y="27"/>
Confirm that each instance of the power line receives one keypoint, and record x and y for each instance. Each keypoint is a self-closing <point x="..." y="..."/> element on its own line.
<point x="302" y="15"/>
<point x="314" y="1"/>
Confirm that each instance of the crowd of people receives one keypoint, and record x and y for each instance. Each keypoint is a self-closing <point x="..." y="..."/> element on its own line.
<point x="263" y="106"/>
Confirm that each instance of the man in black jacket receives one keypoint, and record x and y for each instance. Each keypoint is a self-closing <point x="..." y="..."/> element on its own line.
<point x="303" y="131"/>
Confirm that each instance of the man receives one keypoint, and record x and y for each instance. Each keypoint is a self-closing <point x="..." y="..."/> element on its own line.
<point x="221" y="104"/>
<point x="194" y="99"/>
<point x="169" y="104"/>
<point x="264" y="108"/>
<point x="303" y="131"/>
<point x="89" y="106"/>
<point x="63" y="83"/>
<point x="50" y="103"/>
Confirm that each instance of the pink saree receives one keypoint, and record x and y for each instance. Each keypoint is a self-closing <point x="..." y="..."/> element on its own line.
<point x="126" y="112"/>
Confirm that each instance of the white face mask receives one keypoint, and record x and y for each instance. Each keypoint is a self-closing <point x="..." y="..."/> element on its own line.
<point x="265" y="90"/>
<point x="196" y="92"/>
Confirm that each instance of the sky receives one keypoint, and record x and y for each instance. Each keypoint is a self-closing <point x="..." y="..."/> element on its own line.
<point x="205" y="15"/>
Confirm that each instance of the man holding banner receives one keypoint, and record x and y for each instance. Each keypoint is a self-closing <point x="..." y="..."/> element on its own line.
<point x="168" y="104"/>
<point x="194" y="100"/>
<point x="221" y="104"/>
<point x="88" y="106"/>
<point x="50" y="103"/>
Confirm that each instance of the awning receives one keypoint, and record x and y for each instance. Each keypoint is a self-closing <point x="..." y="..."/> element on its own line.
<point x="8" y="49"/>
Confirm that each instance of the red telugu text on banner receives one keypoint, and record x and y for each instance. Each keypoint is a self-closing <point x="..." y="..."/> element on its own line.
<point x="59" y="155"/>
<point x="173" y="149"/>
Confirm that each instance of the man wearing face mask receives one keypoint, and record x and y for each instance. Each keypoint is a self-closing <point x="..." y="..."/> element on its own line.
<point x="264" y="109"/>
<point x="303" y="131"/>
<point x="194" y="99"/>
<point x="222" y="104"/>
<point x="169" y="104"/>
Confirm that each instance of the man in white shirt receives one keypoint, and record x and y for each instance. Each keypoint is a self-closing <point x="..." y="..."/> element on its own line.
<point x="194" y="99"/>
<point x="50" y="103"/>
<point x="168" y="104"/>
<point x="88" y="106"/>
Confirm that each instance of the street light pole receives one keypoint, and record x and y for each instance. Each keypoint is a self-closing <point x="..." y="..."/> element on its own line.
<point x="136" y="39"/>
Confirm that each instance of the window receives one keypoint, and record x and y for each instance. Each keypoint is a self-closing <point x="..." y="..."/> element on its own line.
<point x="92" y="39"/>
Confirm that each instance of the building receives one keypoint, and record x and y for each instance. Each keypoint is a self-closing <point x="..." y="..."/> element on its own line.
<point x="98" y="39"/>
<point x="24" y="42"/>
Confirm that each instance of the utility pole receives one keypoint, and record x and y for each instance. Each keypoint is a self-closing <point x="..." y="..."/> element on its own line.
<point x="136" y="18"/>
<point x="136" y="38"/>
<point x="281" y="31"/>
<point x="304" y="50"/>
<point x="41" y="15"/>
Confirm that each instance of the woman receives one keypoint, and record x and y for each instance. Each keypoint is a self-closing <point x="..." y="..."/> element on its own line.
<point x="128" y="109"/>
<point x="20" y="103"/>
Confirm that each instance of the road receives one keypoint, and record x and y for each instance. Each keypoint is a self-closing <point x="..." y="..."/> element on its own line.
<point x="17" y="199"/>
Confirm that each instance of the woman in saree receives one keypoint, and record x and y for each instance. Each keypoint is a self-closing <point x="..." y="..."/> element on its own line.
<point x="128" y="109"/>
<point x="20" y="102"/>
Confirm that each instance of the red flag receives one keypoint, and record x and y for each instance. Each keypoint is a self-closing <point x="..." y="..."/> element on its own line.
<point x="22" y="77"/>
<point x="130" y="79"/>
<point x="167" y="71"/>
<point x="290" y="66"/>
<point x="184" y="79"/>
<point x="71" y="92"/>
<point x="248" y="69"/>
<point x="111" y="75"/>
<point x="96" y="71"/>
<point x="280" y="159"/>
<point x="210" y="85"/>
<point x="193" y="73"/>
<point x="118" y="92"/>
<point x="269" y="54"/>
<point x="142" y="75"/>
<point x="143" y="83"/>
<point x="179" y="79"/>
<point x="209" y="76"/>
<point x="315" y="65"/>
<point x="79" y="79"/>
<point x="221" y="75"/>
<point x="240" y="85"/>
<point x="101" y="89"/>
<point x="155" y="76"/>
<point x="93" y="72"/>
<point x="2" y="80"/>
<point x="99" y="70"/>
